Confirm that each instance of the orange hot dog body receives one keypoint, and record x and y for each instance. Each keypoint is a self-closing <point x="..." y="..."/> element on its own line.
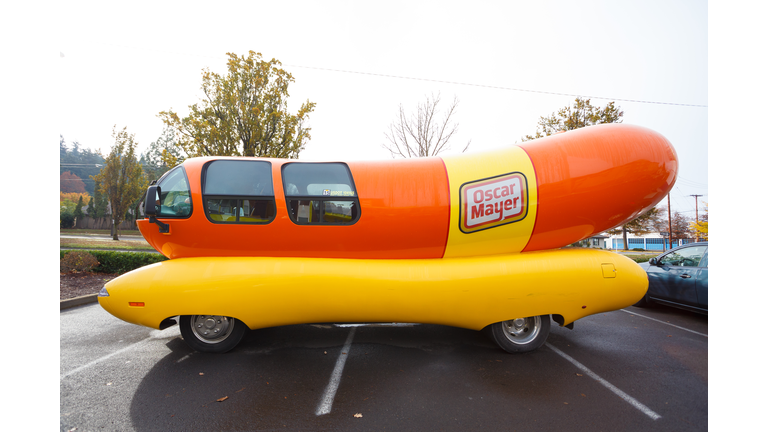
<point x="596" y="178"/>
<point x="577" y="184"/>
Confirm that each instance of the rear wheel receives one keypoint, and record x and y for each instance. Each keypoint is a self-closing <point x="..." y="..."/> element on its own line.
<point x="211" y="333"/>
<point x="521" y="334"/>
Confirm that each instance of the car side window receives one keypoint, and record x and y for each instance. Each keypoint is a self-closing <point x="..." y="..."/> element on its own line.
<point x="175" y="198"/>
<point x="237" y="191"/>
<point x="320" y="193"/>
<point x="685" y="257"/>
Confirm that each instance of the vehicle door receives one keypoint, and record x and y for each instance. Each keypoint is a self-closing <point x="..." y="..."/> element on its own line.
<point x="702" y="282"/>
<point x="673" y="278"/>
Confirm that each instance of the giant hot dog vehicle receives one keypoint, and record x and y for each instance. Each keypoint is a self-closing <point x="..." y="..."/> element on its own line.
<point x="472" y="241"/>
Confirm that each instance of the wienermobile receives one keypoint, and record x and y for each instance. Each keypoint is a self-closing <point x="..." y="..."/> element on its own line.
<point x="473" y="241"/>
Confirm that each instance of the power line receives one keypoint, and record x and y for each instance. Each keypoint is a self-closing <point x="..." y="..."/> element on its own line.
<point x="676" y="201"/>
<point x="692" y="186"/>
<point x="430" y="80"/>
<point x="691" y="183"/>
<point x="497" y="87"/>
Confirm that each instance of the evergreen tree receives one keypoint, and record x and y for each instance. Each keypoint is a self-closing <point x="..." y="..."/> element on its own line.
<point x="83" y="163"/>
<point x="79" y="210"/>
<point x="91" y="209"/>
<point x="100" y="210"/>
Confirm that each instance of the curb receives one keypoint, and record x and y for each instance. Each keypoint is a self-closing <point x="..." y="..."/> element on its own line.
<point x="78" y="301"/>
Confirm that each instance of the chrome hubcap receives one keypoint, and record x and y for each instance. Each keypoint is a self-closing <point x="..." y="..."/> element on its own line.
<point x="522" y="330"/>
<point x="211" y="328"/>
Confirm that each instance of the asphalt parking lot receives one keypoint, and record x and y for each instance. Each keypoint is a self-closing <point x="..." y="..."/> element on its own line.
<point x="633" y="369"/>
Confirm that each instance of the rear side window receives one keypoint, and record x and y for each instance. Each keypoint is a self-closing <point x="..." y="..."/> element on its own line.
<point x="238" y="192"/>
<point x="174" y="197"/>
<point x="320" y="194"/>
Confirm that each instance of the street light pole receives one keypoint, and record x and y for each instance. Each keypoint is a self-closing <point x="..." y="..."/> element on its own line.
<point x="669" y="214"/>
<point x="697" y="215"/>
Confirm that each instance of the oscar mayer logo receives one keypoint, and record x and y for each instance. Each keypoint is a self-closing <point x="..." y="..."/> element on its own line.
<point x="492" y="202"/>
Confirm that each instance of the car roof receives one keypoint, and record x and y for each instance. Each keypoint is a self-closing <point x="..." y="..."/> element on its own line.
<point x="687" y="245"/>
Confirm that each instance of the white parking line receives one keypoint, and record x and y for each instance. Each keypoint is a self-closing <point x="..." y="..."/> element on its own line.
<point x="324" y="407"/>
<point x="654" y="319"/>
<point x="378" y="325"/>
<point x="101" y="359"/>
<point x="632" y="401"/>
<point x="154" y="334"/>
<point x="184" y="358"/>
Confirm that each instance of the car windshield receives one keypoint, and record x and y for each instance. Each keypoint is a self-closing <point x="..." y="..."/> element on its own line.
<point x="685" y="257"/>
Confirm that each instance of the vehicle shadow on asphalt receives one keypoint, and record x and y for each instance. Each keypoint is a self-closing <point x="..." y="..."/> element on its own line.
<point x="276" y="377"/>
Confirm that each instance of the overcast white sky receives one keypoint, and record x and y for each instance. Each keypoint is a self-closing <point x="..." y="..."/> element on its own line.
<point x="124" y="64"/>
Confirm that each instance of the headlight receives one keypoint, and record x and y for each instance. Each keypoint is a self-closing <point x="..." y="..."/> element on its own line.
<point x="103" y="292"/>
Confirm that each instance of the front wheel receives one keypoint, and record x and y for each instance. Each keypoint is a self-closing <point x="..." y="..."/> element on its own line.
<point x="521" y="334"/>
<point x="211" y="333"/>
<point x="643" y="302"/>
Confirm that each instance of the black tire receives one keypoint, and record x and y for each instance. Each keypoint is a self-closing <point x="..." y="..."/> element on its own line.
<point x="521" y="335"/>
<point x="211" y="333"/>
<point x="644" y="302"/>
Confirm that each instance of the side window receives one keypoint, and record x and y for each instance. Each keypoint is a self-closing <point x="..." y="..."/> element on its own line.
<point x="238" y="191"/>
<point x="320" y="193"/>
<point x="686" y="257"/>
<point x="175" y="198"/>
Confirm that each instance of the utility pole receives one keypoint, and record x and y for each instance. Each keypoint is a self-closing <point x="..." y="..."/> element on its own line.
<point x="669" y="213"/>
<point x="697" y="215"/>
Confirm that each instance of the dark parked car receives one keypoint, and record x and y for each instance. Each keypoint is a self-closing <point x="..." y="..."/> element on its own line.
<point x="679" y="278"/>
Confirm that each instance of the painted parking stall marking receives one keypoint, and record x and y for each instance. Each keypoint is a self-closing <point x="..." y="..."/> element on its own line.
<point x="663" y="322"/>
<point x="106" y="357"/>
<point x="632" y="401"/>
<point x="326" y="402"/>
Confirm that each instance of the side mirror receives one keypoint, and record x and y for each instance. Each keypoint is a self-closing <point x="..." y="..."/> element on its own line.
<point x="150" y="208"/>
<point x="653" y="262"/>
<point x="150" y="201"/>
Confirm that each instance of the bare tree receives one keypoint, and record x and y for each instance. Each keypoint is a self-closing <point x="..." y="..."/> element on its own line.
<point x="423" y="134"/>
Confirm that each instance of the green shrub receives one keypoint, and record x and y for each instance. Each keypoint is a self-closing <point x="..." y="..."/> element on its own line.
<point x="66" y="219"/>
<point x="77" y="261"/>
<point x="638" y="249"/>
<point x="642" y="258"/>
<point x="120" y="262"/>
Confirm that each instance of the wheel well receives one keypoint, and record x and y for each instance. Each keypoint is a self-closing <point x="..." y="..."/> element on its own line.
<point x="560" y="320"/>
<point x="168" y="322"/>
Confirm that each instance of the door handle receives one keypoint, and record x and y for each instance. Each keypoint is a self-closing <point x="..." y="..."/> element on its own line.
<point x="685" y="276"/>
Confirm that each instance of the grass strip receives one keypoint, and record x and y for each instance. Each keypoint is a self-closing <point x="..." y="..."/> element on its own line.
<point x="137" y="245"/>
<point x="73" y="231"/>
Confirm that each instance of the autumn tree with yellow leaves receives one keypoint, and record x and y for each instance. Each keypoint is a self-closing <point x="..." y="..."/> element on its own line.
<point x="122" y="179"/>
<point x="701" y="227"/>
<point x="243" y="113"/>
<point x="580" y="115"/>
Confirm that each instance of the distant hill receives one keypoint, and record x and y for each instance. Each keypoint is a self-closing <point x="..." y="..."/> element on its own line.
<point x="83" y="163"/>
